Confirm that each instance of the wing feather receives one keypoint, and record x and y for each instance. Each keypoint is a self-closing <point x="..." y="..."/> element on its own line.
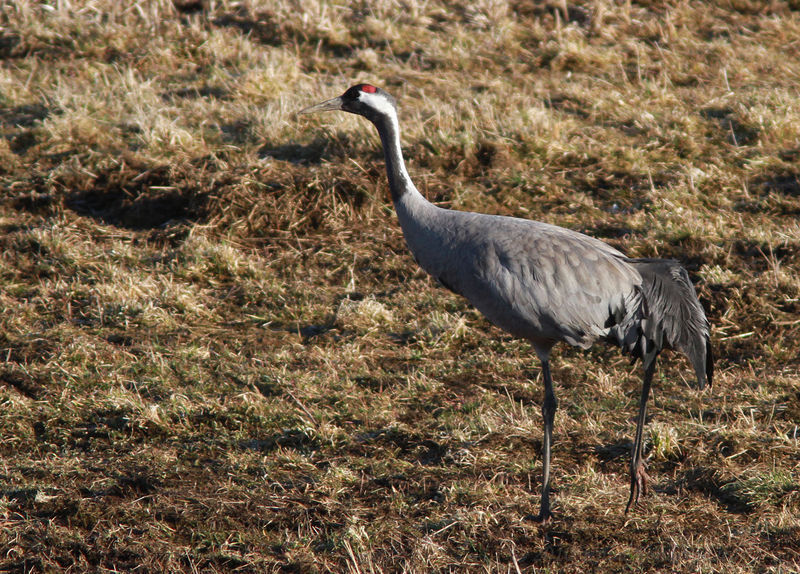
<point x="541" y="281"/>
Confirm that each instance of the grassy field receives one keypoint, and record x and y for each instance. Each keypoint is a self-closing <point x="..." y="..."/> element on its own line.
<point x="217" y="354"/>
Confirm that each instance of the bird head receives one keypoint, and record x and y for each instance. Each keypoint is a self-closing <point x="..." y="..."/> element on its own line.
<point x="363" y="99"/>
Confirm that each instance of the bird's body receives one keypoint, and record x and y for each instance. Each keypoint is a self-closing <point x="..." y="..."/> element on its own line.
<point x="527" y="277"/>
<point x="542" y="282"/>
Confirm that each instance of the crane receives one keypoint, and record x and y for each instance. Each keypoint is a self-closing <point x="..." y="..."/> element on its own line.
<point x="543" y="283"/>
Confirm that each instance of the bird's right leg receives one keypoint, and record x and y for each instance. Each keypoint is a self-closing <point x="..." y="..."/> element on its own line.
<point x="638" y="474"/>
<point x="548" y="414"/>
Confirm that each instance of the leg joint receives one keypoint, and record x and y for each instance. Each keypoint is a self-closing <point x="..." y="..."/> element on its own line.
<point x="550" y="404"/>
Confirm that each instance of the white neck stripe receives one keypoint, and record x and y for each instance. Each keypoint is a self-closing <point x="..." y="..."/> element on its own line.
<point x="380" y="103"/>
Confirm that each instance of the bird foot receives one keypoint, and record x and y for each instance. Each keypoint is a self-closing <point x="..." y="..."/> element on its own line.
<point x="544" y="517"/>
<point x="639" y="480"/>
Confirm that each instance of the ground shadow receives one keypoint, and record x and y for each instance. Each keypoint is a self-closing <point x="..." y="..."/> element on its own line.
<point x="731" y="126"/>
<point x="310" y="153"/>
<point x="270" y="28"/>
<point x="784" y="182"/>
<point x="148" y="200"/>
<point x="17" y="125"/>
<point x="707" y="482"/>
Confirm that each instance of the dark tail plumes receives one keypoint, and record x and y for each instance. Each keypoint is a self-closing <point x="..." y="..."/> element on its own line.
<point x="674" y="317"/>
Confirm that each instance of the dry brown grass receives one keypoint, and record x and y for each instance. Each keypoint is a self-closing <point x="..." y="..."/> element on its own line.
<point x="218" y="355"/>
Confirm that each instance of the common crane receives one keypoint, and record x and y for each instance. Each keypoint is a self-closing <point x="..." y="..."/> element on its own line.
<point x="543" y="283"/>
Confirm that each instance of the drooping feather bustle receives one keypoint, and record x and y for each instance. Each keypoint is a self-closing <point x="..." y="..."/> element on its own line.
<point x="674" y="317"/>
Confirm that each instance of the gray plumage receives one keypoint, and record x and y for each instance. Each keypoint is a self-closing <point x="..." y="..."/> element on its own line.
<point x="675" y="319"/>
<point x="542" y="282"/>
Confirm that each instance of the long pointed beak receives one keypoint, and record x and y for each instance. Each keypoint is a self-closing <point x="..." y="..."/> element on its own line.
<point x="326" y="106"/>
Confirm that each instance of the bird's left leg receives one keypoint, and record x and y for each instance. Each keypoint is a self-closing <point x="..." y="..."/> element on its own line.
<point x="548" y="414"/>
<point x="638" y="474"/>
